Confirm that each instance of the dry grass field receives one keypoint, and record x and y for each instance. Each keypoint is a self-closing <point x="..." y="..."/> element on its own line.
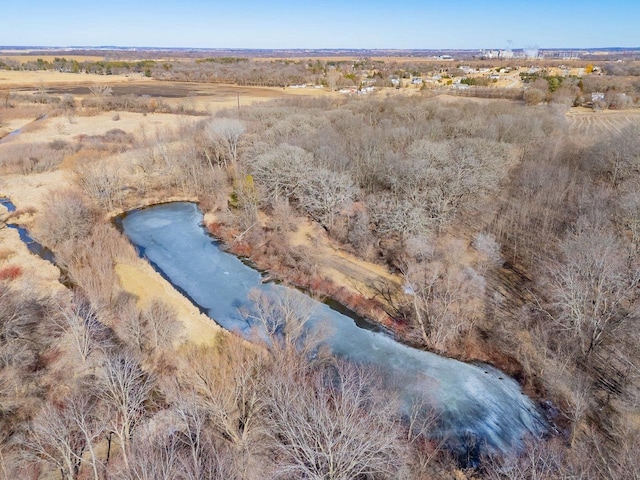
<point x="588" y="123"/>
<point x="192" y="97"/>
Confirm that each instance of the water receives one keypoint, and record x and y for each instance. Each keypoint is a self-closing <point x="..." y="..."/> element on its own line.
<point x="11" y="135"/>
<point x="476" y="404"/>
<point x="17" y="132"/>
<point x="33" y="246"/>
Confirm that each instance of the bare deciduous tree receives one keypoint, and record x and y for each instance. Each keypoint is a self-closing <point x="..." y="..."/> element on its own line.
<point x="282" y="315"/>
<point x="617" y="156"/>
<point x="325" y="193"/>
<point x="593" y="288"/>
<point x="103" y="183"/>
<point x="66" y="216"/>
<point x="100" y="92"/>
<point x="280" y="171"/>
<point x="125" y="388"/>
<point x="161" y="324"/>
<point x="332" y="426"/>
<point x="228" y="386"/>
<point x="81" y="323"/>
<point x="60" y="435"/>
<point x="229" y="130"/>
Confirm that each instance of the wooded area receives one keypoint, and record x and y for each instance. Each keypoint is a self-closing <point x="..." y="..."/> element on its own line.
<point x="515" y="240"/>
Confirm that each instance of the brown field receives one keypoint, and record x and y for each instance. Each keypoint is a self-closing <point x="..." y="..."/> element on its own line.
<point x="20" y="56"/>
<point x="201" y="97"/>
<point x="26" y="79"/>
<point x="589" y="123"/>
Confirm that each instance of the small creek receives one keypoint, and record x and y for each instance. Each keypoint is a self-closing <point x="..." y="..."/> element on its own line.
<point x="18" y="131"/>
<point x="477" y="404"/>
<point x="33" y="246"/>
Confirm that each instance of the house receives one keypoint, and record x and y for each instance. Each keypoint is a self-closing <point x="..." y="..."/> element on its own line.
<point x="416" y="80"/>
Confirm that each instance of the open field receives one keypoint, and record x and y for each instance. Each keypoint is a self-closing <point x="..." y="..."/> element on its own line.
<point x="26" y="57"/>
<point x="25" y="80"/>
<point x="589" y="123"/>
<point x="204" y="98"/>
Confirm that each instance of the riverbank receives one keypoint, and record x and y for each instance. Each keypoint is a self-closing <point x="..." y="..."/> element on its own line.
<point x="469" y="399"/>
<point x="308" y="259"/>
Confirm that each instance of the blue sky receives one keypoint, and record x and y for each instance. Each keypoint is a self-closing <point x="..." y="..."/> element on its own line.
<point x="321" y="23"/>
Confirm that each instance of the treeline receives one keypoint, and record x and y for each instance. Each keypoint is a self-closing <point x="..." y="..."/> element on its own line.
<point x="102" y="67"/>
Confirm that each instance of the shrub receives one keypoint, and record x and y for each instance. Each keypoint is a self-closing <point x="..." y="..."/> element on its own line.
<point x="66" y="216"/>
<point x="10" y="272"/>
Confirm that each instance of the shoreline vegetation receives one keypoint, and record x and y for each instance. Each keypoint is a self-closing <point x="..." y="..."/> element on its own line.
<point x="497" y="230"/>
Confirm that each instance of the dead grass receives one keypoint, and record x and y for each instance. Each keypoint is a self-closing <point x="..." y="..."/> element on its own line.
<point x="24" y="80"/>
<point x="35" y="274"/>
<point x="139" y="279"/>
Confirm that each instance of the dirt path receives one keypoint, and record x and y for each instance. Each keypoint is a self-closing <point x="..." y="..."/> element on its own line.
<point x="338" y="265"/>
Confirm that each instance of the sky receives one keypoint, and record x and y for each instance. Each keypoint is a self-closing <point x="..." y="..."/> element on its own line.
<point x="284" y="24"/>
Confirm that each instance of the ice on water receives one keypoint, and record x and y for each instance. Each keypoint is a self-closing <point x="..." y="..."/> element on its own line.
<point x="474" y="401"/>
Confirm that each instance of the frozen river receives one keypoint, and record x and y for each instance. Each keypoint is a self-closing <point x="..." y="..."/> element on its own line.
<point x="475" y="403"/>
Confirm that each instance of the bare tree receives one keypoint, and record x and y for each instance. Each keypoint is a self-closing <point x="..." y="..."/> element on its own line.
<point x="280" y="171"/>
<point x="66" y="216"/>
<point x="325" y="193"/>
<point x="617" y="156"/>
<point x="154" y="455"/>
<point x="100" y="92"/>
<point x="229" y="130"/>
<point x="61" y="435"/>
<point x="227" y="383"/>
<point x="593" y="288"/>
<point x="282" y="315"/>
<point x="103" y="183"/>
<point x="125" y="389"/>
<point x="534" y="96"/>
<point x="80" y="321"/>
<point x="435" y="297"/>
<point x="332" y="426"/>
<point x="629" y="213"/>
<point x="540" y="460"/>
<point x="162" y="327"/>
<point x="179" y="444"/>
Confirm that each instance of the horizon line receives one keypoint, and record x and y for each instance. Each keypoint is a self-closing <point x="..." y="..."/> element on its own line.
<point x="303" y="49"/>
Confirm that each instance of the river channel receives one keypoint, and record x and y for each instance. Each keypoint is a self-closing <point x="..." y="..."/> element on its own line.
<point x="476" y="403"/>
